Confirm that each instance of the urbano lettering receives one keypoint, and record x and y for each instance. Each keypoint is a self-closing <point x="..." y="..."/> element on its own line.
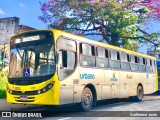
<point x="87" y="76"/>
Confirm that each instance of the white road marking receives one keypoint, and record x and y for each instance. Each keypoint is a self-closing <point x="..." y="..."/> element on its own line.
<point x="116" y="107"/>
<point x="134" y="103"/>
<point x="64" y="118"/>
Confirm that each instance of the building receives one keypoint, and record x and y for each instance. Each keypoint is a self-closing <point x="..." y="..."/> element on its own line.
<point x="23" y="28"/>
<point x="10" y="26"/>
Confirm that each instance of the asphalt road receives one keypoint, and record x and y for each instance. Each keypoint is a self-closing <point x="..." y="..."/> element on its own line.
<point x="110" y="109"/>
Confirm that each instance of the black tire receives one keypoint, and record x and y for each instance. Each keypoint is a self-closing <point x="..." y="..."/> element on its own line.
<point x="86" y="99"/>
<point x="139" y="96"/>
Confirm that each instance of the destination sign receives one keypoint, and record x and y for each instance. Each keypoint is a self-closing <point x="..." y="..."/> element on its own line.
<point x="32" y="36"/>
<point x="29" y="38"/>
<point x="26" y="39"/>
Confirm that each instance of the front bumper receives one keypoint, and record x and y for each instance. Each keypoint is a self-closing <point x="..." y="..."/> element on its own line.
<point x="47" y="98"/>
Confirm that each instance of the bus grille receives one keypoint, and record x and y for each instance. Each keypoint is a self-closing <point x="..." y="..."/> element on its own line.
<point x="25" y="93"/>
<point x="29" y="99"/>
<point x="25" y="100"/>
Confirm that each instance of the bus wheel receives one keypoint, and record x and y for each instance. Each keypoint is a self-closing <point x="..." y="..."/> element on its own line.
<point x="86" y="99"/>
<point x="139" y="96"/>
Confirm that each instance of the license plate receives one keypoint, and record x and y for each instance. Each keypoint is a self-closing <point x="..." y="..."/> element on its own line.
<point x="23" y="97"/>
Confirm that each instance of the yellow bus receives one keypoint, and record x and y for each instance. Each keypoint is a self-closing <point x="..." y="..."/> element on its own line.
<point x="52" y="67"/>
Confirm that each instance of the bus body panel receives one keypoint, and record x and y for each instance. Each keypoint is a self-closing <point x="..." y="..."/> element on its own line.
<point x="50" y="97"/>
<point x="67" y="88"/>
<point x="126" y="81"/>
<point x="91" y="76"/>
<point x="112" y="80"/>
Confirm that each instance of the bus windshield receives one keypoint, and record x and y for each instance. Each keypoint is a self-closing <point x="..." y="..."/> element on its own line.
<point x="31" y="60"/>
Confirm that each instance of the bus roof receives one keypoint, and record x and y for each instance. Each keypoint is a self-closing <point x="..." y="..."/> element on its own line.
<point x="86" y="40"/>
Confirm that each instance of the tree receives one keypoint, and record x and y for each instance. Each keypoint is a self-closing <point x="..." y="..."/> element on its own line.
<point x="154" y="7"/>
<point x="119" y="22"/>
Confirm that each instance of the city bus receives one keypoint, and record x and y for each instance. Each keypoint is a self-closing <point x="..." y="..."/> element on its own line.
<point x="53" y="67"/>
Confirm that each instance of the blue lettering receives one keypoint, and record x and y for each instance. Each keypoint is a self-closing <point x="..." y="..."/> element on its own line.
<point x="87" y="76"/>
<point x="82" y="76"/>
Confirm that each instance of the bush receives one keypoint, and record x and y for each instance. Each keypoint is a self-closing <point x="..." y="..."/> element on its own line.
<point x="2" y="93"/>
<point x="3" y="80"/>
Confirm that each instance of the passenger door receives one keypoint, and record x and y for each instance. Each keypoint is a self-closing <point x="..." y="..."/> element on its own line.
<point x="67" y="72"/>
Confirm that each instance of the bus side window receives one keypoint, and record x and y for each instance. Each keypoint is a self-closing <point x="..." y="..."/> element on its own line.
<point x="142" y="67"/>
<point x="102" y="58"/>
<point x="125" y="61"/>
<point x="87" y="55"/>
<point x="149" y="68"/>
<point x="154" y="66"/>
<point x="115" y="60"/>
<point x="134" y="63"/>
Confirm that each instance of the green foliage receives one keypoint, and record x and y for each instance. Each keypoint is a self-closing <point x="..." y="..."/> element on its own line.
<point x="117" y="22"/>
<point x="2" y="93"/>
<point x="3" y="80"/>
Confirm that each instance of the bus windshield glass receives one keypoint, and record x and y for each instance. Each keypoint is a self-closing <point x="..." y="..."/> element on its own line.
<point x="32" y="59"/>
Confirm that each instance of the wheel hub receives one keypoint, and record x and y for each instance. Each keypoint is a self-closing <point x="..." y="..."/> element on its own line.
<point x="87" y="99"/>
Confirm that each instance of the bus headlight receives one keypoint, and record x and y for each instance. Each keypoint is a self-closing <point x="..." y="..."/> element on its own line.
<point x="10" y="91"/>
<point x="46" y="88"/>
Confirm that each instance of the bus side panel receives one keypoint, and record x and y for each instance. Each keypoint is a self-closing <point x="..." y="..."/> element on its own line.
<point x="66" y="90"/>
<point x="125" y="87"/>
<point x="94" y="77"/>
<point x="112" y="80"/>
<point x="66" y="94"/>
<point x="143" y="76"/>
<point x="106" y="91"/>
<point x="71" y="88"/>
<point x="150" y="82"/>
<point x="78" y="93"/>
<point x="138" y="78"/>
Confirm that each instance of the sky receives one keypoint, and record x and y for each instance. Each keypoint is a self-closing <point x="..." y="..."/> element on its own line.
<point x="27" y="10"/>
